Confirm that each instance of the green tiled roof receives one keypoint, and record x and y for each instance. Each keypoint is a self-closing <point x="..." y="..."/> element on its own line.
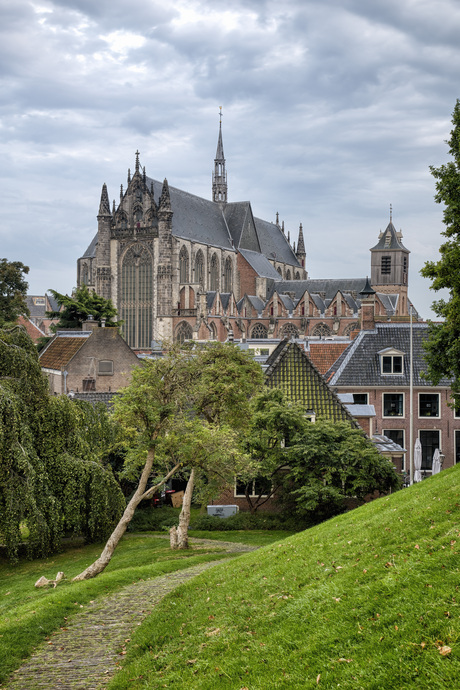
<point x="291" y="370"/>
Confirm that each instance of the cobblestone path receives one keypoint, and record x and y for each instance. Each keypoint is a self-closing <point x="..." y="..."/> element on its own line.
<point x="84" y="655"/>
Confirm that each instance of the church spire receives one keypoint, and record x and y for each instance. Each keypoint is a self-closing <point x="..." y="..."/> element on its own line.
<point x="219" y="177"/>
<point x="104" y="206"/>
<point x="301" y="254"/>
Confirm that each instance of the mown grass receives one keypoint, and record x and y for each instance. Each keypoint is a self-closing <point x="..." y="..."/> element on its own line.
<point x="367" y="600"/>
<point x="29" y="615"/>
<point x="253" y="538"/>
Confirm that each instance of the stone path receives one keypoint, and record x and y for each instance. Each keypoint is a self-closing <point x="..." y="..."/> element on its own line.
<point x="84" y="655"/>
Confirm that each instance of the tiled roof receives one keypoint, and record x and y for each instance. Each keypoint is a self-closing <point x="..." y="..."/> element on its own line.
<point x="94" y="398"/>
<point x="359" y="364"/>
<point x="60" y="351"/>
<point x="292" y="371"/>
<point x="323" y="355"/>
<point x="32" y="330"/>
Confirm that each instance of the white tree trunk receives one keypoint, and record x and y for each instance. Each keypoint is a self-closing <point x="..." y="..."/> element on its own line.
<point x="179" y="535"/>
<point x="104" y="559"/>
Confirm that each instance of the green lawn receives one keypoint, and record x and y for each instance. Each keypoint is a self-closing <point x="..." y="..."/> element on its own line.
<point x="367" y="600"/>
<point x="28" y="615"/>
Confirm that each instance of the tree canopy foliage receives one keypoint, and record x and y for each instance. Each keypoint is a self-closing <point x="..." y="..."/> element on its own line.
<point x="13" y="291"/>
<point x="313" y="468"/>
<point x="178" y="410"/>
<point x="54" y="479"/>
<point x="79" y="306"/>
<point x="443" y="345"/>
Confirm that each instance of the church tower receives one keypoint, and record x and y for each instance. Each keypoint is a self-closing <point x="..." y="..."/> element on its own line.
<point x="300" y="253"/>
<point x="219" y="176"/>
<point x="104" y="225"/>
<point x="390" y="265"/>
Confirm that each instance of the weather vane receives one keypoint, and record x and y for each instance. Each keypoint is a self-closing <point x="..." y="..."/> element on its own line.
<point x="391" y="213"/>
<point x="220" y="114"/>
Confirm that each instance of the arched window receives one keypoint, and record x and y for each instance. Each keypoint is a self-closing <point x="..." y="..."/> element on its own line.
<point x="183" y="265"/>
<point x="297" y="275"/>
<point x="280" y="271"/>
<point x="214" y="274"/>
<point x="199" y="268"/>
<point x="288" y="275"/>
<point x="350" y="328"/>
<point x="259" y="331"/>
<point x="322" y="330"/>
<point x="136" y="305"/>
<point x="228" y="275"/>
<point x="138" y="214"/>
<point x="183" y="332"/>
<point x="289" y="331"/>
<point x="213" y="332"/>
<point x="84" y="275"/>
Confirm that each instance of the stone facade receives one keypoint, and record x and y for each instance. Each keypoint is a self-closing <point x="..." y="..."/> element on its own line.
<point x="179" y="267"/>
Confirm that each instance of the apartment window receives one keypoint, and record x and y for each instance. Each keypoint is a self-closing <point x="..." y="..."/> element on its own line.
<point x="395" y="435"/>
<point x="393" y="404"/>
<point x="260" y="486"/>
<point x="386" y="265"/>
<point x="392" y="364"/>
<point x="430" y="440"/>
<point x="360" y="398"/>
<point x="428" y="405"/>
<point x="105" y="367"/>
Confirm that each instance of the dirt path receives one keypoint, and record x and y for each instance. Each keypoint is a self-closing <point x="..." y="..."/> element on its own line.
<point x="85" y="654"/>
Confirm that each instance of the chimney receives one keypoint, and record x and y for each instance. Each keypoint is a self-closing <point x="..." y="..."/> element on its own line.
<point x="90" y="324"/>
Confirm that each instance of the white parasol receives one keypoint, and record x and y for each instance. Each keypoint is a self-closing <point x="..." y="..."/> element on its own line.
<point x="417" y="461"/>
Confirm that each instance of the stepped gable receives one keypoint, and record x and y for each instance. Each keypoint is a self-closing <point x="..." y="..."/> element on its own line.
<point x="290" y="370"/>
<point x="359" y="364"/>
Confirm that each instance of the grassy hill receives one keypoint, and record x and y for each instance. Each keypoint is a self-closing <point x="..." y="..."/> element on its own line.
<point x="367" y="600"/>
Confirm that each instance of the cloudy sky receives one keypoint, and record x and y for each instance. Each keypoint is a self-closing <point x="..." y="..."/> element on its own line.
<point x="332" y="111"/>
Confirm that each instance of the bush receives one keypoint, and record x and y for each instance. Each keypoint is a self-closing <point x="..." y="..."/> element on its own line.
<point x="150" y="519"/>
<point x="246" y="521"/>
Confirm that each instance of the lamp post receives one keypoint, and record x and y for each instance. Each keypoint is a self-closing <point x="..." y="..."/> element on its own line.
<point x="411" y="404"/>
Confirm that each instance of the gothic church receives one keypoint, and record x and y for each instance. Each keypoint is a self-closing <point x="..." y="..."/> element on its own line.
<point x="178" y="266"/>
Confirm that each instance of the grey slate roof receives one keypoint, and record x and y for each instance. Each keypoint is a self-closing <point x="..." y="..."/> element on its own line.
<point x="287" y="302"/>
<point x="326" y="287"/>
<point x="260" y="264"/>
<point x="394" y="242"/>
<point x="359" y="364"/>
<point x="273" y="243"/>
<point x="390" y="302"/>
<point x="210" y="297"/>
<point x="386" y="445"/>
<point x="256" y="302"/>
<point x="91" y="251"/>
<point x="225" y="299"/>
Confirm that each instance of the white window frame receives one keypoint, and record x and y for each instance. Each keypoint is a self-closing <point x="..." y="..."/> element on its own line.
<point x="104" y="373"/>
<point x="392" y="353"/>
<point x="438" y="416"/>
<point x="359" y="393"/>
<point x="421" y="431"/>
<point x="403" y="464"/>
<point x="400" y="416"/>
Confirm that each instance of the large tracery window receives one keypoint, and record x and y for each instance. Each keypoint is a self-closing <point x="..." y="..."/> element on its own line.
<point x="214" y="274"/>
<point x="183" y="266"/>
<point x="183" y="332"/>
<point x="199" y="267"/>
<point x="322" y="330"/>
<point x="228" y="272"/>
<point x="137" y="297"/>
<point x="289" y="331"/>
<point x="259" y="331"/>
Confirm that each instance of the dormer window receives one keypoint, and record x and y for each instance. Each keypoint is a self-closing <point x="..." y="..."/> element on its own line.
<point x="391" y="362"/>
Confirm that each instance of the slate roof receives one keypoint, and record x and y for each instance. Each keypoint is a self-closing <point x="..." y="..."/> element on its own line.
<point x="91" y="251"/>
<point x="386" y="445"/>
<point x="390" y="302"/>
<point x="61" y="349"/>
<point x="273" y="242"/>
<point x="260" y="264"/>
<point x="225" y="299"/>
<point x="359" y="365"/>
<point x="256" y="302"/>
<point x="394" y="241"/>
<point x="291" y="370"/>
<point x="210" y="297"/>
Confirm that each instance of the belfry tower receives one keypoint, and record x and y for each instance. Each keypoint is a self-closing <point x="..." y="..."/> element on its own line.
<point x="219" y="176"/>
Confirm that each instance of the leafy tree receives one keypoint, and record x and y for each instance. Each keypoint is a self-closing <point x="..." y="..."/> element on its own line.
<point x="82" y="304"/>
<point x="313" y="468"/>
<point x="13" y="291"/>
<point x="167" y="407"/>
<point x="53" y="472"/>
<point x="443" y="345"/>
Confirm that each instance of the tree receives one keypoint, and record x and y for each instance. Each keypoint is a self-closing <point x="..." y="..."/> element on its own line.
<point x="443" y="344"/>
<point x="314" y="468"/>
<point x="82" y="304"/>
<point x="164" y="407"/>
<point x="13" y="291"/>
<point x="54" y="476"/>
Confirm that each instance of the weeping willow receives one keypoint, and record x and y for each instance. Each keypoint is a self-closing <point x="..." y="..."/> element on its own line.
<point x="53" y="477"/>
